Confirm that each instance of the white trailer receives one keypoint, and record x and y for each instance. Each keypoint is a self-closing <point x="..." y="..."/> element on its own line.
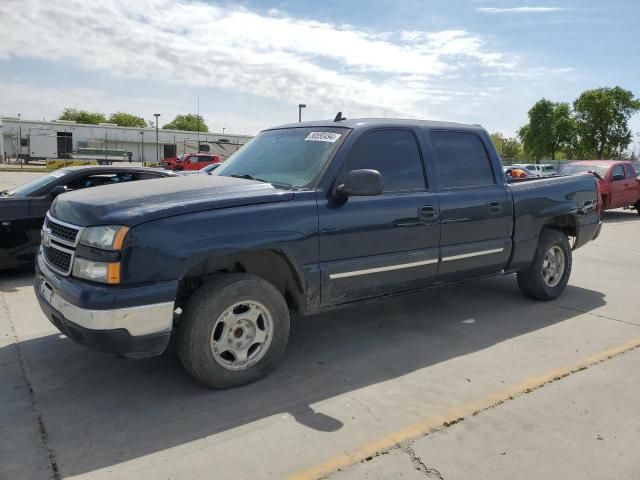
<point x="43" y="146"/>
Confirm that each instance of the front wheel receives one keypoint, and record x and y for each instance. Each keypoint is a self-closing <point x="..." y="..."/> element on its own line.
<point x="233" y="330"/>
<point x="549" y="272"/>
<point x="637" y="205"/>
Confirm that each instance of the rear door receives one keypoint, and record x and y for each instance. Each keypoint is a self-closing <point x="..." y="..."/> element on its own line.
<point x="204" y="160"/>
<point x="371" y="246"/>
<point x="632" y="184"/>
<point x="475" y="206"/>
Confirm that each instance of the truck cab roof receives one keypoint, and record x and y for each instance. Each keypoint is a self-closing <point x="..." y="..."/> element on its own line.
<point x="359" y="123"/>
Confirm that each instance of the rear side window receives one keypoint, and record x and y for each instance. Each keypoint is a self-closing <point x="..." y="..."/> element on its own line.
<point x="549" y="168"/>
<point x="630" y="171"/>
<point x="394" y="153"/>
<point x="461" y="160"/>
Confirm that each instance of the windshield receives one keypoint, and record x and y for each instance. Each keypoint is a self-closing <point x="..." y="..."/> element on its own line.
<point x="573" y="169"/>
<point x="287" y="158"/>
<point x="28" y="188"/>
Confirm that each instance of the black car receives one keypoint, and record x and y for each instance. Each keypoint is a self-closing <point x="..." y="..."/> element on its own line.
<point x="23" y="208"/>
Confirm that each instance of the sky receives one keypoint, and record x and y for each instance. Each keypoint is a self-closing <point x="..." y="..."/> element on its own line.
<point x="252" y="62"/>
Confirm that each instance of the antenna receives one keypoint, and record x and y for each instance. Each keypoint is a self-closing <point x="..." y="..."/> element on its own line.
<point x="339" y="117"/>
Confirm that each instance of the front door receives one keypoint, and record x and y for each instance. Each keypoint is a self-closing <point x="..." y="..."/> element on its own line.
<point x="371" y="246"/>
<point x="475" y="207"/>
<point x="618" y="187"/>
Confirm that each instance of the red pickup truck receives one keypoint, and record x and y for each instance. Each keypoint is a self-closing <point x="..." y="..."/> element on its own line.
<point x="190" y="161"/>
<point x="618" y="181"/>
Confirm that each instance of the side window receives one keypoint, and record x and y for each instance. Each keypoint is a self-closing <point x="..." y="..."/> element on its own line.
<point x="97" y="180"/>
<point x="617" y="170"/>
<point x="631" y="172"/>
<point x="461" y="160"/>
<point x="194" y="159"/>
<point x="394" y="153"/>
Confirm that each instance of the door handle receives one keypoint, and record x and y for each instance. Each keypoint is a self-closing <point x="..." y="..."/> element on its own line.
<point x="428" y="212"/>
<point x="495" y="206"/>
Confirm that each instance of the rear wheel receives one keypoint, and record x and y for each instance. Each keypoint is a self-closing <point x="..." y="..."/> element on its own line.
<point x="637" y="205"/>
<point x="549" y="272"/>
<point x="233" y="331"/>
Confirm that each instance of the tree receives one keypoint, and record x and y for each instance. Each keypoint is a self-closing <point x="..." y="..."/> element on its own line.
<point x="550" y="129"/>
<point x="498" y="141"/>
<point x="82" y="116"/>
<point x="123" y="119"/>
<point x="601" y="117"/>
<point x="511" y="148"/>
<point x="189" y="122"/>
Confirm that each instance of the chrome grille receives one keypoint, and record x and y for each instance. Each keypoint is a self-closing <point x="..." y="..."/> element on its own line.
<point x="62" y="231"/>
<point x="58" y="259"/>
<point x="59" y="241"/>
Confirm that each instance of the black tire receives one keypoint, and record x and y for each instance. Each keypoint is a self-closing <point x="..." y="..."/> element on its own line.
<point x="199" y="317"/>
<point x="637" y="205"/>
<point x="532" y="281"/>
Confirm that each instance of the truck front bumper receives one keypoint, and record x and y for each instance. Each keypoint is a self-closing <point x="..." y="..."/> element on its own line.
<point x="135" y="331"/>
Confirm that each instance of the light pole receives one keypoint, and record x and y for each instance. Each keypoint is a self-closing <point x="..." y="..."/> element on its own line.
<point x="223" y="129"/>
<point x="142" y="148"/>
<point x="300" y="107"/>
<point x="157" y="140"/>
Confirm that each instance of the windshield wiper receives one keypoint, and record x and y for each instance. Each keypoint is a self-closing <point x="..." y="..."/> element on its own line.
<point x="286" y="186"/>
<point x="247" y="176"/>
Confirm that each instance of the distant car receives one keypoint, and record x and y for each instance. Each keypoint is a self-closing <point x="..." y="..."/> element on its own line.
<point x="189" y="161"/>
<point x="509" y="173"/>
<point x="618" y="181"/>
<point x="537" y="169"/>
<point x="203" y="171"/>
<point x="23" y="208"/>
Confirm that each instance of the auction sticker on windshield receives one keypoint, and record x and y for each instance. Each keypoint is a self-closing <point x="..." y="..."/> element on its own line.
<point x="323" y="137"/>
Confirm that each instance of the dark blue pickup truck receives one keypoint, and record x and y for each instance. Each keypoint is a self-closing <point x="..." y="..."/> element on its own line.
<point x="306" y="217"/>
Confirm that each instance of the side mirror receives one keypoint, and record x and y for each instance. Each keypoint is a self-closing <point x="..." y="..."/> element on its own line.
<point x="57" y="191"/>
<point x="618" y="177"/>
<point x="361" y="183"/>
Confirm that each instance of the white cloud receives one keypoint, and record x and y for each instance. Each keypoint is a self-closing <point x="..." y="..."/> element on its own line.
<point x="169" y="46"/>
<point x="273" y="55"/>
<point x="519" y="9"/>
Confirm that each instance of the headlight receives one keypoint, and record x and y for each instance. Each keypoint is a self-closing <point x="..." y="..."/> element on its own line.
<point x="109" y="237"/>
<point x="96" y="271"/>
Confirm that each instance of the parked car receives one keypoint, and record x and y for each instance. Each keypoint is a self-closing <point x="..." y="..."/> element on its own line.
<point x="537" y="169"/>
<point x="189" y="161"/>
<point x="23" y="208"/>
<point x="305" y="218"/>
<point x="515" y="173"/>
<point x="619" y="182"/>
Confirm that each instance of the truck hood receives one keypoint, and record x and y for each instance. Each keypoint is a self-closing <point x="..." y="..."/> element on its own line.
<point x="142" y="201"/>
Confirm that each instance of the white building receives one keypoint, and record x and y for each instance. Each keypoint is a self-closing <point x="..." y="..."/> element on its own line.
<point x="17" y="136"/>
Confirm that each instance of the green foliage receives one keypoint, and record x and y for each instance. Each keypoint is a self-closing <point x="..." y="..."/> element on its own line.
<point x="498" y="141"/>
<point x="597" y="127"/>
<point x="511" y="148"/>
<point x="550" y="130"/>
<point x="507" y="147"/>
<point x="82" y="116"/>
<point x="189" y="122"/>
<point x="601" y="117"/>
<point x="123" y="119"/>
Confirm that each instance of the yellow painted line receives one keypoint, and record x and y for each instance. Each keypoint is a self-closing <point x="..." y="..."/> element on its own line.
<point x="437" y="422"/>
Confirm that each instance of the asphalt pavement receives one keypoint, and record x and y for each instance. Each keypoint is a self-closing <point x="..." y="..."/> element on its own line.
<point x="459" y="382"/>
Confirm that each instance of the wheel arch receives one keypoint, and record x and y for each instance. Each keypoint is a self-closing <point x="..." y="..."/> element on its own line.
<point x="274" y="266"/>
